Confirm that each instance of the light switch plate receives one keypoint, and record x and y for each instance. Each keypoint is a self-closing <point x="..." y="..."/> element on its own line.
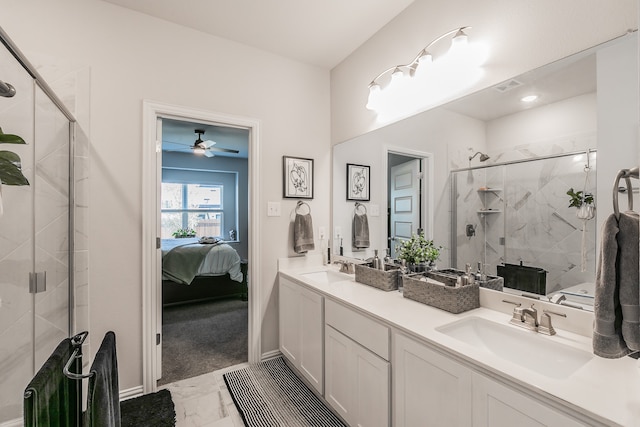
<point x="338" y="232"/>
<point x="374" y="209"/>
<point x="273" y="208"/>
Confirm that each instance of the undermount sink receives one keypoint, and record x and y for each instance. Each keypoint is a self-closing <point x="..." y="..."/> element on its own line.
<point x="527" y="349"/>
<point x="326" y="276"/>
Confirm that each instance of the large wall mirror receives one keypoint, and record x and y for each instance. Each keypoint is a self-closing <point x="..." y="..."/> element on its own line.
<point x="486" y="176"/>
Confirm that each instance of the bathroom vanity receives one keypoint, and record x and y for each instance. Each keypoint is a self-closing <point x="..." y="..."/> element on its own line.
<point x="379" y="359"/>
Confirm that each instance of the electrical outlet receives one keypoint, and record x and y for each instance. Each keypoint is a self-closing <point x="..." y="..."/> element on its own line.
<point x="338" y="232"/>
<point x="322" y="231"/>
<point x="273" y="208"/>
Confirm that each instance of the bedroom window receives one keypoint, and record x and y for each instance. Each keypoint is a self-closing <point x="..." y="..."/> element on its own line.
<point x="197" y="207"/>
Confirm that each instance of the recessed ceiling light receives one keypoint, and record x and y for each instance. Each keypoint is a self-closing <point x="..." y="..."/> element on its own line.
<point x="529" y="98"/>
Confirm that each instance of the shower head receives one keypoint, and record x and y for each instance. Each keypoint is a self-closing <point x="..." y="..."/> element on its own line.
<point x="6" y="90"/>
<point x="483" y="157"/>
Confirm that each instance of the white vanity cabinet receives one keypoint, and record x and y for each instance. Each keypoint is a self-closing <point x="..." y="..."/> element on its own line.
<point x="430" y="389"/>
<point x="496" y="405"/>
<point x="301" y="330"/>
<point x="357" y="369"/>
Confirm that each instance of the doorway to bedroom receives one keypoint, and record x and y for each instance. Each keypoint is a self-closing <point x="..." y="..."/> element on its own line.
<point x="204" y="223"/>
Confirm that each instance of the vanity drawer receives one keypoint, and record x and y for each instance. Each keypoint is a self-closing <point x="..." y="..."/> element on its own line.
<point x="360" y="328"/>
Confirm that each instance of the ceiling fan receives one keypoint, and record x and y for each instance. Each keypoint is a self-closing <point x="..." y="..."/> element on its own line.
<point x="207" y="147"/>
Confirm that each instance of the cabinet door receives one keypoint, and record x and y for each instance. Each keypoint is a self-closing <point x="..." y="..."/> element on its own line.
<point x="430" y="389"/>
<point x="496" y="405"/>
<point x="311" y="337"/>
<point x="371" y="382"/>
<point x="337" y="381"/>
<point x="290" y="328"/>
<point x="357" y="381"/>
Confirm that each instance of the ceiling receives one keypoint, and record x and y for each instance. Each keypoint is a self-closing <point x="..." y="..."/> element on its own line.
<point x="321" y="33"/>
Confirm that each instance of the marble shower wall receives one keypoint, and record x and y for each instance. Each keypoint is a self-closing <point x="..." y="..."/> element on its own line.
<point x="520" y="213"/>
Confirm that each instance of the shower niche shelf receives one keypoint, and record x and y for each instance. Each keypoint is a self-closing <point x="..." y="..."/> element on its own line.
<point x="488" y="201"/>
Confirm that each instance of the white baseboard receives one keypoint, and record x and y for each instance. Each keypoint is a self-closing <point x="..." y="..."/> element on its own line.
<point x="130" y="393"/>
<point x="270" y="355"/>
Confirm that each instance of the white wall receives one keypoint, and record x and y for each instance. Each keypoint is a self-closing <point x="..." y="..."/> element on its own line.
<point x="133" y="57"/>
<point x="617" y="121"/>
<point x="547" y="123"/>
<point x="522" y="35"/>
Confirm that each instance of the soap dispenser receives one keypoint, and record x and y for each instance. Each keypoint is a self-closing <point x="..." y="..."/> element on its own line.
<point x="376" y="264"/>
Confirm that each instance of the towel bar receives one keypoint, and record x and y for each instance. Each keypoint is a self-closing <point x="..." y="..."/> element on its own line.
<point x="76" y="342"/>
<point x="626" y="174"/>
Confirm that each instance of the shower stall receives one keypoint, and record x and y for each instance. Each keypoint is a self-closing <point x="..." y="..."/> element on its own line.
<point x="36" y="227"/>
<point x="518" y="212"/>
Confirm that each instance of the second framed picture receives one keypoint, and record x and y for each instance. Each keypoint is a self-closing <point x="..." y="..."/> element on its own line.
<point x="358" y="181"/>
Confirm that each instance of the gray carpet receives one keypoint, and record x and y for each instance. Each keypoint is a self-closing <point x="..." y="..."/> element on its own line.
<point x="269" y="394"/>
<point x="203" y="337"/>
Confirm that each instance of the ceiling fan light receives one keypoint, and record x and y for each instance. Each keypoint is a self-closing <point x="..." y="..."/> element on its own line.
<point x="199" y="150"/>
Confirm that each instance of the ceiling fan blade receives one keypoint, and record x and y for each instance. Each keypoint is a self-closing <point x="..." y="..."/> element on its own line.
<point x="207" y="144"/>
<point x="224" y="150"/>
<point x="208" y="153"/>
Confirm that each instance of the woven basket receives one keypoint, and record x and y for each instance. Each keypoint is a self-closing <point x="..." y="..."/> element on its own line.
<point x="448" y="298"/>
<point x="387" y="279"/>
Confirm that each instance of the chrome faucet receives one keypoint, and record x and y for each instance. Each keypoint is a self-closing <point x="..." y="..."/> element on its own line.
<point x="524" y="317"/>
<point x="530" y="318"/>
<point x="346" y="266"/>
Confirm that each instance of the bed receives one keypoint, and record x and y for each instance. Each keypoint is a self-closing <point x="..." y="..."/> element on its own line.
<point x="193" y="271"/>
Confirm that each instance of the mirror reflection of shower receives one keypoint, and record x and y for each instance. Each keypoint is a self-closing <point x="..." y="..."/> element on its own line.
<point x="483" y="157"/>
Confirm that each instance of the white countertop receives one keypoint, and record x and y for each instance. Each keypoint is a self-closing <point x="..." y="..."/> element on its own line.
<point x="607" y="390"/>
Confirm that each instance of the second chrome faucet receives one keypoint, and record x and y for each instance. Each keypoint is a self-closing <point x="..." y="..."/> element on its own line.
<point x="528" y="318"/>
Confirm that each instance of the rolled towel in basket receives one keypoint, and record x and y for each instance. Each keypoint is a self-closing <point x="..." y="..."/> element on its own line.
<point x="360" y="230"/>
<point x="303" y="234"/>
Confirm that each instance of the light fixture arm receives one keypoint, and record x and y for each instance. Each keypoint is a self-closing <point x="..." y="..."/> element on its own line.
<point x="412" y="65"/>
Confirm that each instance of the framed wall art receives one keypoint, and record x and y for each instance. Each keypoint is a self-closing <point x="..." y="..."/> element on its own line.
<point x="297" y="178"/>
<point x="358" y="181"/>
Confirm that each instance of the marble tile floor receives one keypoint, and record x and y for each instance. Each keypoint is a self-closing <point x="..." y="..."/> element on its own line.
<point x="204" y="401"/>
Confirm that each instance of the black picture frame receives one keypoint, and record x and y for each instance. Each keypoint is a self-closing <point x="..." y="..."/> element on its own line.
<point x="358" y="182"/>
<point x="297" y="178"/>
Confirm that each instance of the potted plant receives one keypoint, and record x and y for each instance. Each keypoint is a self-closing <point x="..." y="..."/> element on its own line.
<point x="182" y="233"/>
<point x="10" y="165"/>
<point x="584" y="202"/>
<point x="418" y="252"/>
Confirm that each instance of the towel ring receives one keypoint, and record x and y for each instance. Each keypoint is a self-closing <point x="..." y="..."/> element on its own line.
<point x="299" y="205"/>
<point x="626" y="174"/>
<point x="358" y="206"/>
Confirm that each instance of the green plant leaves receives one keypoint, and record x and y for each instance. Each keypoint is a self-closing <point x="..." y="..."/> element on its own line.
<point x="10" y="169"/>
<point x="7" y="138"/>
<point x="10" y="165"/>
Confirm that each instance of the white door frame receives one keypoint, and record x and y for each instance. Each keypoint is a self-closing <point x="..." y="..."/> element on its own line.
<point x="151" y="164"/>
<point x="427" y="197"/>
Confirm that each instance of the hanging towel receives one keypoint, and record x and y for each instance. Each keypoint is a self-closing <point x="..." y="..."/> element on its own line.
<point x="360" y="230"/>
<point x="303" y="234"/>
<point x="629" y="278"/>
<point x="103" y="399"/>
<point x="50" y="399"/>
<point x="607" y="328"/>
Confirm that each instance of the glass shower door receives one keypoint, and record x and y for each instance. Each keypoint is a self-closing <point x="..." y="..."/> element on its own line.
<point x="34" y="237"/>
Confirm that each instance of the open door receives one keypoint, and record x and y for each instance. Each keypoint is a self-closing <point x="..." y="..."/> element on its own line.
<point x="404" y="202"/>
<point x="158" y="252"/>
